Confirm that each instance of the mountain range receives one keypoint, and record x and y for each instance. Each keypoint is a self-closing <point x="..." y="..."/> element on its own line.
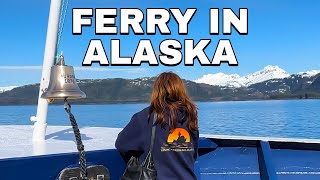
<point x="234" y="80"/>
<point x="271" y="82"/>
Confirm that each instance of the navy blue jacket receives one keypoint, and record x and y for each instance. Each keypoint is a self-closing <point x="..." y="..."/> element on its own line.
<point x="174" y="154"/>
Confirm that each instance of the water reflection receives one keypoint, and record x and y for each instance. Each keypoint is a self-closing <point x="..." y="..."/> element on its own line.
<point x="291" y="118"/>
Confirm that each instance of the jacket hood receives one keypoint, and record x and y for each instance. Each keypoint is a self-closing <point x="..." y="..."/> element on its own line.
<point x="180" y="114"/>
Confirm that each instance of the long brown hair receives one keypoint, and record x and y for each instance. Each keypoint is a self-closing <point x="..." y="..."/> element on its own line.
<point x="169" y="93"/>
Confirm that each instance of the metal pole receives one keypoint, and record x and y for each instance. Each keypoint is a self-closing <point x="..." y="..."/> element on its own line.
<point x="40" y="119"/>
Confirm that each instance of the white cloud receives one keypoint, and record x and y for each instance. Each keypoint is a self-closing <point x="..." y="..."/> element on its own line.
<point x="79" y="68"/>
<point x="20" y="67"/>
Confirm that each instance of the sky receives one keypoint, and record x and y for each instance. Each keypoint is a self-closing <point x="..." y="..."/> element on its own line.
<point x="283" y="33"/>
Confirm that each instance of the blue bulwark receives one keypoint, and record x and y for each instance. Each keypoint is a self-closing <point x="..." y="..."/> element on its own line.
<point x="266" y="167"/>
<point x="207" y="143"/>
<point x="48" y="167"/>
<point x="218" y="159"/>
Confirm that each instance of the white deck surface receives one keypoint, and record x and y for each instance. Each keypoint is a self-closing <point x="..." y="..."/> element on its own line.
<point x="16" y="141"/>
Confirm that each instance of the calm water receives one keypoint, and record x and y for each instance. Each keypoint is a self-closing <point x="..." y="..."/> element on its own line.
<point x="292" y="118"/>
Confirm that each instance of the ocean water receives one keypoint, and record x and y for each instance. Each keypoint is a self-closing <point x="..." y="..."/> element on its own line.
<point x="278" y="118"/>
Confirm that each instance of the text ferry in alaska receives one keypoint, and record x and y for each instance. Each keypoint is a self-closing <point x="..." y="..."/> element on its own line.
<point x="42" y="152"/>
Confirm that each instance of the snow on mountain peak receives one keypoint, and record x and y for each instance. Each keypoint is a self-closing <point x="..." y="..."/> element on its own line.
<point x="234" y="80"/>
<point x="272" y="67"/>
<point x="267" y="73"/>
<point x="220" y="79"/>
<point x="309" y="73"/>
<point x="8" y="88"/>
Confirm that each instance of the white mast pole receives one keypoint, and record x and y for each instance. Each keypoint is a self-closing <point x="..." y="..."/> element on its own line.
<point x="40" y="119"/>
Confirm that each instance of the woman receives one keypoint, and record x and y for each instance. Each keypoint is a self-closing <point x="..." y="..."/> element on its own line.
<point x="176" y="140"/>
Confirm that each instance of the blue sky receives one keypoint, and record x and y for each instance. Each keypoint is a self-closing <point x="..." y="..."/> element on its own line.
<point x="283" y="33"/>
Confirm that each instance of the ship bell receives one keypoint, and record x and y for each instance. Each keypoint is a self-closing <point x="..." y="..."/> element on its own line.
<point x="63" y="83"/>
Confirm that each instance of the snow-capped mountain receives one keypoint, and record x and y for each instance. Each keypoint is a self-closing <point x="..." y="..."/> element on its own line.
<point x="221" y="79"/>
<point x="8" y="88"/>
<point x="236" y="81"/>
<point x="309" y="73"/>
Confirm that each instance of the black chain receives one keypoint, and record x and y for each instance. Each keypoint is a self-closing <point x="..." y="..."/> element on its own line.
<point x="80" y="146"/>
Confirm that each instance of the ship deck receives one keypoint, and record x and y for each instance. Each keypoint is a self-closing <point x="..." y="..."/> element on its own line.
<point x="221" y="157"/>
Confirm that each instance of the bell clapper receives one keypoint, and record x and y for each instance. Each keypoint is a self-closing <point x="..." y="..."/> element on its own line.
<point x="50" y="100"/>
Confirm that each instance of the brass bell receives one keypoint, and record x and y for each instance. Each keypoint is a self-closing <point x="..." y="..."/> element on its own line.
<point x="62" y="83"/>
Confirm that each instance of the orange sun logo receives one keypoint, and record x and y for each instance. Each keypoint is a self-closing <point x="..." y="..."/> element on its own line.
<point x="179" y="135"/>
